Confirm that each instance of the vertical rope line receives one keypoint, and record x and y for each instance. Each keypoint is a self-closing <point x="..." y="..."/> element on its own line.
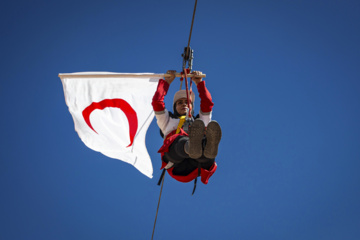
<point x="157" y="210"/>
<point x="192" y="23"/>
<point x="187" y="92"/>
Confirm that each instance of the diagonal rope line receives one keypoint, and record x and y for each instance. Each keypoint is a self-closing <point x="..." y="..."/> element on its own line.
<point x="192" y="23"/>
<point x="162" y="182"/>
<point x="157" y="210"/>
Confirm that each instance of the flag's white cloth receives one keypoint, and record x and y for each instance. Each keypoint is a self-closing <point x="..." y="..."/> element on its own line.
<point x="112" y="113"/>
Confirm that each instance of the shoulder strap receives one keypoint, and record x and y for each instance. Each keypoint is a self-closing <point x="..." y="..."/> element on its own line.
<point x="181" y="123"/>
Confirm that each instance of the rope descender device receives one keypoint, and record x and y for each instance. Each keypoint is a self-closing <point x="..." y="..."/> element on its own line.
<point x="188" y="57"/>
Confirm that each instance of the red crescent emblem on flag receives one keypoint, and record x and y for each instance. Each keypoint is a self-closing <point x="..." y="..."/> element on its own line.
<point x="116" y="103"/>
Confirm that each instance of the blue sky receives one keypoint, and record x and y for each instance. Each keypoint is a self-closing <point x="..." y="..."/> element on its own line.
<point x="285" y="79"/>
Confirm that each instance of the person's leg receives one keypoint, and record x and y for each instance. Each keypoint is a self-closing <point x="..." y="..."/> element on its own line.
<point x="176" y="153"/>
<point x="205" y="162"/>
<point x="196" y="133"/>
<point x="192" y="146"/>
<point x="213" y="137"/>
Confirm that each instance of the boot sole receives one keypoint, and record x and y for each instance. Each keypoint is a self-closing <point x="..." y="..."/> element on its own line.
<point x="196" y="134"/>
<point x="213" y="136"/>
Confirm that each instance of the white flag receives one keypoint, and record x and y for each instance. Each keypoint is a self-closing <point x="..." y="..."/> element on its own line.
<point x="112" y="112"/>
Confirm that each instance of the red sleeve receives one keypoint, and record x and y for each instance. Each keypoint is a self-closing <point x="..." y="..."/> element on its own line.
<point x="158" y="99"/>
<point x="206" y="103"/>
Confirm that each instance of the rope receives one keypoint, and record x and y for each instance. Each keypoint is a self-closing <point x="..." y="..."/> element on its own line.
<point x="187" y="91"/>
<point x="186" y="55"/>
<point x="192" y="23"/>
<point x="157" y="210"/>
<point x="188" y="100"/>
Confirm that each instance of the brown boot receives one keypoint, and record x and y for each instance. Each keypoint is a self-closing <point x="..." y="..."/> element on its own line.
<point x="196" y="134"/>
<point x="213" y="137"/>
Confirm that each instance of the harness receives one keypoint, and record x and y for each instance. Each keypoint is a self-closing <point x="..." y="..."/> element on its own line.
<point x="184" y="124"/>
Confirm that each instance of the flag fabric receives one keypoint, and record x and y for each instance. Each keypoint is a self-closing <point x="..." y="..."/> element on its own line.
<point x="112" y="112"/>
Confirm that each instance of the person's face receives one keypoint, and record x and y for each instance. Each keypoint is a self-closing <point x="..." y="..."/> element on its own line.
<point x="181" y="106"/>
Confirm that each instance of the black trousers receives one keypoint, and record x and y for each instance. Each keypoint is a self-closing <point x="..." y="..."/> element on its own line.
<point x="183" y="164"/>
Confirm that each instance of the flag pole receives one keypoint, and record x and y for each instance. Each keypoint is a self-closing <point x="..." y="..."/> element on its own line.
<point x="120" y="75"/>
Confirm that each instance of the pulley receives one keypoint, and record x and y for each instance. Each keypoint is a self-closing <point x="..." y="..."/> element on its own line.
<point x="188" y="57"/>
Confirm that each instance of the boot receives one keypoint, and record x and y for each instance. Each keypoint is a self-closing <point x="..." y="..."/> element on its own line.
<point x="196" y="133"/>
<point x="213" y="137"/>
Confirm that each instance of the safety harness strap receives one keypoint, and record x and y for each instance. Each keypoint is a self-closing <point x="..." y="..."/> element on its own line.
<point x="181" y="123"/>
<point x="195" y="181"/>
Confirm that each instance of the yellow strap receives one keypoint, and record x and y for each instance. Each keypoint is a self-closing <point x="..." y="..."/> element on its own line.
<point x="181" y="123"/>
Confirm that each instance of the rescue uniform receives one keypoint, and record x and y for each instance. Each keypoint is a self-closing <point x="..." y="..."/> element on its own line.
<point x="187" y="169"/>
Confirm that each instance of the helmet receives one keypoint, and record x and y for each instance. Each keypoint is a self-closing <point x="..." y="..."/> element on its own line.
<point x="182" y="94"/>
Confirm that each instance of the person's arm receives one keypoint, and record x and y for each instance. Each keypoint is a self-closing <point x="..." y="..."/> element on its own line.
<point x="206" y="103"/>
<point x="159" y="96"/>
<point x="161" y="91"/>
<point x="161" y="114"/>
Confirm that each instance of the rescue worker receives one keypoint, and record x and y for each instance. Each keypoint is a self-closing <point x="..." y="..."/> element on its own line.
<point x="191" y="152"/>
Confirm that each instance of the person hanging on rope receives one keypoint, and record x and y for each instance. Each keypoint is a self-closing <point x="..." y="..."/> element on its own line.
<point x="187" y="151"/>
